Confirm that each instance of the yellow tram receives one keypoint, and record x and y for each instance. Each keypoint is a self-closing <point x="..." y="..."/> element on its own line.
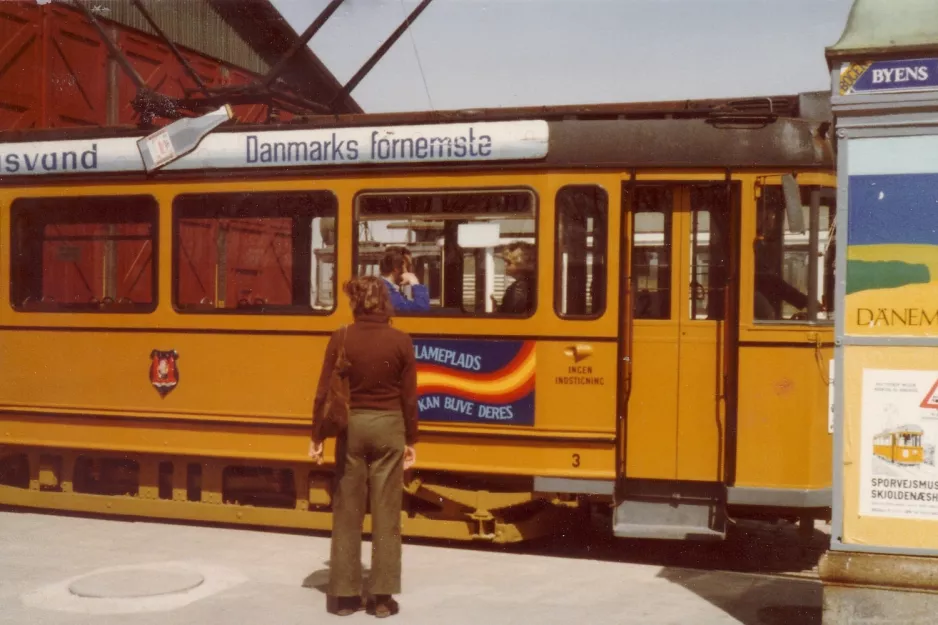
<point x="162" y="332"/>
<point x="901" y="445"/>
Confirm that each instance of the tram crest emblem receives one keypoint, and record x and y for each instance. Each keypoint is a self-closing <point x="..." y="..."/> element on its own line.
<point x="164" y="375"/>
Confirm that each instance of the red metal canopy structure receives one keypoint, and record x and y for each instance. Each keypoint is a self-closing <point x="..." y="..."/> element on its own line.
<point x="145" y="62"/>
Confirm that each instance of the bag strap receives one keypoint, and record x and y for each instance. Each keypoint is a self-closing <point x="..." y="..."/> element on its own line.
<point x="340" y="353"/>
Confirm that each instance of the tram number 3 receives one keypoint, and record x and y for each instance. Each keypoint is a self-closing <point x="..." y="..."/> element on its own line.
<point x="576" y="460"/>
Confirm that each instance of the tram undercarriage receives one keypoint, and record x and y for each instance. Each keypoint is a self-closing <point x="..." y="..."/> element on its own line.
<point x="295" y="496"/>
<point x="288" y="495"/>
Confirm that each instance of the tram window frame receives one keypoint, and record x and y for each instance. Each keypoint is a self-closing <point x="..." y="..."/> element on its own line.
<point x="103" y="209"/>
<point x="599" y="250"/>
<point x="714" y="256"/>
<point x="217" y="205"/>
<point x="668" y="270"/>
<point x="442" y="311"/>
<point x="821" y="290"/>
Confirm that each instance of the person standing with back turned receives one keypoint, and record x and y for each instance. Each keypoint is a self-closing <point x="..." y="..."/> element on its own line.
<point x="372" y="452"/>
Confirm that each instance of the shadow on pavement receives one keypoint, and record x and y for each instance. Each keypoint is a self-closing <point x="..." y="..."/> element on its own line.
<point x="319" y="579"/>
<point x="753" y="600"/>
<point x="750" y="547"/>
<point x="762" y="574"/>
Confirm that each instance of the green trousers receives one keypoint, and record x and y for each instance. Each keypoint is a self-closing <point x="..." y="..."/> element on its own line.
<point x="369" y="469"/>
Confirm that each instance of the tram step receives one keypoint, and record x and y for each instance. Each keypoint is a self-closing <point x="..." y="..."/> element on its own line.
<point x="666" y="532"/>
<point x="670" y="510"/>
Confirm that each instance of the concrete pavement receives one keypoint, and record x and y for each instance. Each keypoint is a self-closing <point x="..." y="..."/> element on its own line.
<point x="243" y="576"/>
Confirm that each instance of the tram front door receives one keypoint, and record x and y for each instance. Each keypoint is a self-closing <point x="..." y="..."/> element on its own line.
<point x="672" y="438"/>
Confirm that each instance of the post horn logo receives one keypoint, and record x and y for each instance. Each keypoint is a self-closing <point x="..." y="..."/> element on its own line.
<point x="164" y="374"/>
<point x="578" y="352"/>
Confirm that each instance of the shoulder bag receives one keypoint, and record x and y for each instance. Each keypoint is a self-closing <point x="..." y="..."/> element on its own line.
<point x="336" y="407"/>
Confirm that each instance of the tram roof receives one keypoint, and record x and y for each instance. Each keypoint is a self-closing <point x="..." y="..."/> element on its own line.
<point x="813" y="105"/>
<point x="772" y="132"/>
<point x="905" y="429"/>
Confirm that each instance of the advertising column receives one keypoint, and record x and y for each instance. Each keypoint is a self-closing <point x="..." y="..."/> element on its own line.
<point x="890" y="383"/>
<point x="883" y="563"/>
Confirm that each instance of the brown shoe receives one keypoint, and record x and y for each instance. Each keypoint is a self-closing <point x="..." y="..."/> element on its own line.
<point x="343" y="606"/>
<point x="382" y="606"/>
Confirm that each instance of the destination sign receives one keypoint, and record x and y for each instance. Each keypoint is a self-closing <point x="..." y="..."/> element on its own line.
<point x="889" y="76"/>
<point x="435" y="143"/>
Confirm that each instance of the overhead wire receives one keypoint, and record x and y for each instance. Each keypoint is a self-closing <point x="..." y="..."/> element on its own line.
<point x="413" y="43"/>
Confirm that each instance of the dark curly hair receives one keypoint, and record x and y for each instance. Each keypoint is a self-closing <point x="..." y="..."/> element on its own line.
<point x="396" y="257"/>
<point x="368" y="295"/>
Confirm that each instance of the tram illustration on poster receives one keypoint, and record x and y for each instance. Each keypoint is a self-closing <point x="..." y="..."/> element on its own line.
<point x="899" y="435"/>
<point x="892" y="255"/>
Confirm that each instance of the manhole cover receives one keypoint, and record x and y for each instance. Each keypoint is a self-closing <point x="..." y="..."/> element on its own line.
<point x="132" y="583"/>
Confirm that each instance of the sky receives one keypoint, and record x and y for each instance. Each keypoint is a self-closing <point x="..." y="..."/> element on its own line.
<point x="494" y="53"/>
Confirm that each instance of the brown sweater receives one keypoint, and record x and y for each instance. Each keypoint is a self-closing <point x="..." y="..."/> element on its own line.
<point x="383" y="372"/>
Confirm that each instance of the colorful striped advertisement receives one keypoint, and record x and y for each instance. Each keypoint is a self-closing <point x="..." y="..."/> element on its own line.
<point x="475" y="381"/>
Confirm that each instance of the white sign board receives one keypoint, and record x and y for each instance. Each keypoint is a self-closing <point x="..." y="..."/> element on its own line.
<point x="478" y="235"/>
<point x="437" y="143"/>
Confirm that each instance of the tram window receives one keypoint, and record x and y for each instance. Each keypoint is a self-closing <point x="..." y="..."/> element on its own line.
<point x="580" y="270"/>
<point x="709" y="237"/>
<point x="784" y="289"/>
<point x="651" y="252"/>
<point x="500" y="279"/>
<point x="88" y="254"/>
<point x="254" y="252"/>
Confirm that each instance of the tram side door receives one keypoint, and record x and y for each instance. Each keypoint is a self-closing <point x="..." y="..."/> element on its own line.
<point x="674" y="428"/>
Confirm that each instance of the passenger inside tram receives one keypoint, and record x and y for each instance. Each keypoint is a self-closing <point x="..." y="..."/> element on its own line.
<point x="519" y="260"/>
<point x="784" y="287"/>
<point x="772" y="291"/>
<point x="462" y="253"/>
<point x="397" y="269"/>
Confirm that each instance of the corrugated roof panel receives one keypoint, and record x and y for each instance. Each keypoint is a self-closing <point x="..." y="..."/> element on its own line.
<point x="190" y="23"/>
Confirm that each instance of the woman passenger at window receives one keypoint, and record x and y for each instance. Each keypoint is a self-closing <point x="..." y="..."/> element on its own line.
<point x="519" y="265"/>
<point x="373" y="452"/>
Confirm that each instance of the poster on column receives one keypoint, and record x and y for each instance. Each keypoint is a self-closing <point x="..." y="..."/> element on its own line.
<point x="898" y="438"/>
<point x="892" y="237"/>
